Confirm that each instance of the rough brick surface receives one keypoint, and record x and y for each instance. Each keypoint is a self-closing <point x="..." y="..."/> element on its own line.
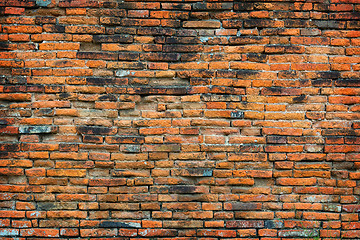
<point x="180" y="119"/>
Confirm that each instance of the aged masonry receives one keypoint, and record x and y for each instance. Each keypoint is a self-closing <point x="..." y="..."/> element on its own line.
<point x="180" y="119"/>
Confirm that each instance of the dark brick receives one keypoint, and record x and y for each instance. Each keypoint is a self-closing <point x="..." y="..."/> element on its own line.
<point x="244" y="6"/>
<point x="161" y="57"/>
<point x="183" y="40"/>
<point x="54" y="28"/>
<point x="245" y="206"/>
<point x="182" y="189"/>
<point x="271" y="224"/>
<point x="127" y="139"/>
<point x="276" y="139"/>
<point x="321" y="83"/>
<point x="45" y="20"/>
<point x="116" y="224"/>
<point x="348" y="83"/>
<point x="94" y="130"/>
<point x="248" y="40"/>
<point x="105" y="81"/>
<point x="97" y="55"/>
<point x="300" y="99"/>
<point x="9" y="147"/>
<point x="156" y="31"/>
<point x="5" y="46"/>
<point x="244" y="224"/>
<point x="113" y="38"/>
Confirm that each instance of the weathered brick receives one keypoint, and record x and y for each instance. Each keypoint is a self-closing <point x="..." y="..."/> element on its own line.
<point x="39" y="232"/>
<point x="37" y="129"/>
<point x="12" y="214"/>
<point x="244" y="224"/>
<point x="157" y="232"/>
<point x="98" y="232"/>
<point x="202" y="24"/>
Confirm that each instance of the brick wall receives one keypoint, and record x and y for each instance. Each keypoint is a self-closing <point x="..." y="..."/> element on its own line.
<point x="180" y="119"/>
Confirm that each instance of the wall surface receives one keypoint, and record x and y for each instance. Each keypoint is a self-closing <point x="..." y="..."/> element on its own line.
<point x="180" y="119"/>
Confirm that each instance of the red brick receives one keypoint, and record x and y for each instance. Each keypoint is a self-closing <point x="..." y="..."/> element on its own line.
<point x="297" y="181"/>
<point x="98" y="232"/>
<point x="320" y="216"/>
<point x="85" y="29"/>
<point x="201" y="24"/>
<point x="20" y="224"/>
<point x="59" y="46"/>
<point x="22" y="29"/>
<point x="39" y="232"/>
<point x="12" y="214"/>
<point x="66" y="214"/>
<point x="67" y="173"/>
<point x="69" y="232"/>
<point x="216" y="233"/>
<point x="156" y="232"/>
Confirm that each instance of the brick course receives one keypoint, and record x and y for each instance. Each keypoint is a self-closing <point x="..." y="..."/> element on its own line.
<point x="180" y="119"/>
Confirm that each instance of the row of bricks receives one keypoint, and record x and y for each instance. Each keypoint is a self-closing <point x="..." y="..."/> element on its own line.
<point x="105" y="98"/>
<point x="76" y="68"/>
<point x="223" y="24"/>
<point x="140" y="193"/>
<point x="224" y="85"/>
<point x="343" y="206"/>
<point x="166" y="234"/>
<point x="234" y="61"/>
<point x="203" y="44"/>
<point x="101" y="160"/>
<point x="125" y="101"/>
<point x="329" y="130"/>
<point x="341" y="113"/>
<point x="207" y="139"/>
<point x="182" y="44"/>
<point x="239" y="78"/>
<point x="134" y="185"/>
<point x="171" y="144"/>
<point x="255" y="115"/>
<point x="130" y="201"/>
<point x="70" y="169"/>
<point x="95" y="14"/>
<point x="309" y="111"/>
<point x="188" y="126"/>
<point x="244" y="157"/>
<point x="230" y="27"/>
<point x="284" y="6"/>
<point x="285" y="160"/>
<point x="178" y="19"/>
<point x="245" y="214"/>
<point x="221" y="87"/>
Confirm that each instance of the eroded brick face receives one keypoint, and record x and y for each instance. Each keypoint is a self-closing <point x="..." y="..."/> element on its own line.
<point x="180" y="119"/>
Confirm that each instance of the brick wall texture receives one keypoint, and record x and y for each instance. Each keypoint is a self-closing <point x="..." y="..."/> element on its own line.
<point x="180" y="119"/>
